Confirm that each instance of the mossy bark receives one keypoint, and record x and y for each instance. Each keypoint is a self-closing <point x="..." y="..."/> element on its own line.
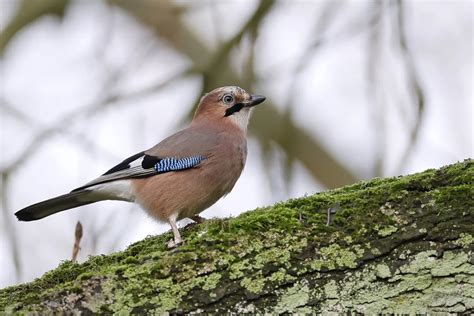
<point x="394" y="245"/>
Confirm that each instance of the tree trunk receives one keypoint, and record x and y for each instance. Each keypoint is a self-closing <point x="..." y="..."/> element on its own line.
<point x="393" y="245"/>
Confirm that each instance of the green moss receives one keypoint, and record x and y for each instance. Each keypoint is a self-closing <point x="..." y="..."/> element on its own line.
<point x="85" y="276"/>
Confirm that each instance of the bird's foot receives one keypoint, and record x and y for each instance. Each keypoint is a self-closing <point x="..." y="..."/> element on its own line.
<point x="173" y="243"/>
<point x="198" y="219"/>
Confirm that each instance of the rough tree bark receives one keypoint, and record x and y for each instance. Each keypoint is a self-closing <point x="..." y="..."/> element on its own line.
<point x="394" y="245"/>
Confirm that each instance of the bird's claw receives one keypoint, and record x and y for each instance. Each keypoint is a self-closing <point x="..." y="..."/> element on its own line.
<point x="174" y="243"/>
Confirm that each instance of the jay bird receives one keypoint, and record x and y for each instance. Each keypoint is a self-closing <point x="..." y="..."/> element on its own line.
<point x="182" y="175"/>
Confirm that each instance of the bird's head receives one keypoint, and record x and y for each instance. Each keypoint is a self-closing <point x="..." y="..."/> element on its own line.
<point x="230" y="103"/>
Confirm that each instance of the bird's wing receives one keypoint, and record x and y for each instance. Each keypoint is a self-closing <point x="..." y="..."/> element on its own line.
<point x="180" y="151"/>
<point x="142" y="165"/>
<point x="195" y="140"/>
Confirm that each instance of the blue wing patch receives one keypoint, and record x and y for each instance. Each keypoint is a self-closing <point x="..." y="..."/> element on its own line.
<point x="175" y="164"/>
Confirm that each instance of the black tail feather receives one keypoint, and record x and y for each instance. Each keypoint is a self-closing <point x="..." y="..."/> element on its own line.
<point x="55" y="205"/>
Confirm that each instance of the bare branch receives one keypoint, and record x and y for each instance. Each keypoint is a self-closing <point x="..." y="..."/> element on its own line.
<point x="330" y="172"/>
<point x="26" y="13"/>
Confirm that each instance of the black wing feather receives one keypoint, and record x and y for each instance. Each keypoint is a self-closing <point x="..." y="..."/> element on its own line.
<point x="142" y="165"/>
<point x="150" y="161"/>
<point x="125" y="164"/>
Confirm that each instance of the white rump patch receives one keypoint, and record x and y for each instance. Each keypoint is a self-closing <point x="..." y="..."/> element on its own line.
<point x="115" y="190"/>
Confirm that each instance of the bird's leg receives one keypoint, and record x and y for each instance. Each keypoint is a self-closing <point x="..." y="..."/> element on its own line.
<point x="177" y="237"/>
<point x="198" y="219"/>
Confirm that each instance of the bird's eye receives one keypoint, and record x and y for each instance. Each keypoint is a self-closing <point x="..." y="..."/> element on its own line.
<point x="228" y="99"/>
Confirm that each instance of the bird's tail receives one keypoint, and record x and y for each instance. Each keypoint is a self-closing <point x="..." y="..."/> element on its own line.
<point x="57" y="204"/>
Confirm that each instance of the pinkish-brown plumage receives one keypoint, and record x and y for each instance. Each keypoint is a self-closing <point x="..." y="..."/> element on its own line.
<point x="224" y="148"/>
<point x="214" y="144"/>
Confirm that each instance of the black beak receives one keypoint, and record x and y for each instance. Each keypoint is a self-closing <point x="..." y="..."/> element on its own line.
<point x="255" y="99"/>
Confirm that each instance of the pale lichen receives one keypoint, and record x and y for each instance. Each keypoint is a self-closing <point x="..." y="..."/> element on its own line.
<point x="292" y="298"/>
<point x="335" y="256"/>
<point x="253" y="285"/>
<point x="465" y="240"/>
<point x="211" y="281"/>
<point x="386" y="231"/>
<point x="382" y="271"/>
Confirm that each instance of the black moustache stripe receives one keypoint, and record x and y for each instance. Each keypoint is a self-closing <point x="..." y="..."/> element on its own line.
<point x="235" y="108"/>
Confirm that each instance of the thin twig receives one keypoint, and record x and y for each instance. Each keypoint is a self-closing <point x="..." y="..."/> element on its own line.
<point x="416" y="91"/>
<point x="374" y="60"/>
<point x="77" y="241"/>
<point x="8" y="226"/>
<point x="330" y="212"/>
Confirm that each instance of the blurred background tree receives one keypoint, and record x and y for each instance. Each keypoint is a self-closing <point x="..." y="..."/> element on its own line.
<point x="356" y="89"/>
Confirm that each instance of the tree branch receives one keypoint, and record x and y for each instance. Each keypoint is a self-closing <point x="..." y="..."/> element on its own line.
<point x="390" y="247"/>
